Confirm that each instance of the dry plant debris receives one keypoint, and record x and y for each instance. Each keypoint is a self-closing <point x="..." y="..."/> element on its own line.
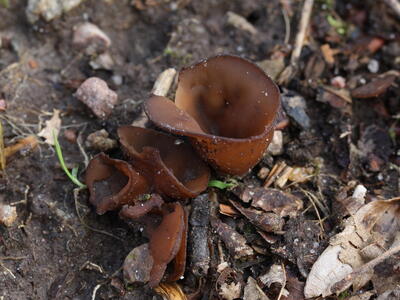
<point x="368" y="239"/>
<point x="52" y="127"/>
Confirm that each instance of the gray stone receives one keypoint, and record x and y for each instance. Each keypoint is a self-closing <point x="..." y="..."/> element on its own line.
<point x="295" y="106"/>
<point x="48" y="9"/>
<point x="137" y="265"/>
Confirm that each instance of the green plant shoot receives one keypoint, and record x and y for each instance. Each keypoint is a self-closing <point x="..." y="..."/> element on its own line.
<point x="222" y="185"/>
<point x="71" y="175"/>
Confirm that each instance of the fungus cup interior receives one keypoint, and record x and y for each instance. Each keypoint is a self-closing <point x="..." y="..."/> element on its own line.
<point x="227" y="106"/>
<point x="113" y="183"/>
<point x="175" y="169"/>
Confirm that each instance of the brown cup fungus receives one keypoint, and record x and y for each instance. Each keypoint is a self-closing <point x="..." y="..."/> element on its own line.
<point x="166" y="240"/>
<point x="171" y="164"/>
<point x="226" y="106"/>
<point x="113" y="183"/>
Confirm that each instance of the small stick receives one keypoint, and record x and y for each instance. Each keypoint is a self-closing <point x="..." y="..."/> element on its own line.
<point x="284" y="283"/>
<point x="163" y="83"/>
<point x="291" y="70"/>
<point x="95" y="291"/>
<point x="286" y="18"/>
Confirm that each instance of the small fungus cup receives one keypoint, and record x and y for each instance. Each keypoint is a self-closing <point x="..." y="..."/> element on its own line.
<point x="226" y="106"/>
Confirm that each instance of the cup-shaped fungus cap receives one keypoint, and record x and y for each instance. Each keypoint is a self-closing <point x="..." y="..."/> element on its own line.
<point x="227" y="106"/>
<point x="166" y="240"/>
<point x="174" y="167"/>
<point x="113" y="183"/>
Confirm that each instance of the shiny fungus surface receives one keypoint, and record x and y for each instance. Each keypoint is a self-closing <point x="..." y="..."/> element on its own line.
<point x="226" y="106"/>
<point x="172" y="164"/>
<point x="113" y="183"/>
<point x="166" y="240"/>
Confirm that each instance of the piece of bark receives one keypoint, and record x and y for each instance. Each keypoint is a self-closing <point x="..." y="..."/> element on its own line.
<point x="234" y="242"/>
<point x="198" y="237"/>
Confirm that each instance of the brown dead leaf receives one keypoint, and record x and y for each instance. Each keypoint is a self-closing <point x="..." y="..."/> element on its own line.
<point x="227" y="210"/>
<point x="374" y="88"/>
<point x="273" y="200"/>
<point x="52" y="125"/>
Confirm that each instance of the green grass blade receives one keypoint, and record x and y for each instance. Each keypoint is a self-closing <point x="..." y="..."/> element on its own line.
<point x="60" y="157"/>
<point x="222" y="185"/>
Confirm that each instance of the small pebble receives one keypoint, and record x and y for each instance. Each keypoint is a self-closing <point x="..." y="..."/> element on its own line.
<point x="99" y="140"/>
<point x="137" y="265"/>
<point x="91" y="38"/>
<point x="276" y="145"/>
<point x="3" y="105"/>
<point x="8" y="214"/>
<point x="373" y="66"/>
<point x="263" y="173"/>
<point x="338" y="82"/>
<point x="70" y="135"/>
<point x="117" y="79"/>
<point x="103" y="61"/>
<point x="94" y="92"/>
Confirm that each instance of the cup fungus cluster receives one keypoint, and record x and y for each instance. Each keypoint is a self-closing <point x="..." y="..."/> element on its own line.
<point x="223" y="116"/>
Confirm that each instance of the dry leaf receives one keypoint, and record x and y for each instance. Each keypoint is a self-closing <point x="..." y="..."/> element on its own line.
<point x="274" y="275"/>
<point x="352" y="255"/>
<point x="52" y="125"/>
<point x="230" y="291"/>
<point x="170" y="291"/>
<point x="374" y="88"/>
<point x="252" y="291"/>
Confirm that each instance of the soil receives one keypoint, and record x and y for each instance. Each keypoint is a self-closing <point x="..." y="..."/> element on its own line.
<point x="51" y="253"/>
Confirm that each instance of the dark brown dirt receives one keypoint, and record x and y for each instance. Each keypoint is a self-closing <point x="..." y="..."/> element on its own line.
<point x="49" y="253"/>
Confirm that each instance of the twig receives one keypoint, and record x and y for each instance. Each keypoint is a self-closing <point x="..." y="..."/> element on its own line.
<point x="8" y="270"/>
<point x="291" y="69"/>
<point x="395" y="5"/>
<point x="79" y="142"/>
<point x="284" y="283"/>
<point x="286" y="18"/>
<point x="12" y="257"/>
<point x="313" y="199"/>
<point x="2" y="154"/>
<point x="95" y="291"/>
